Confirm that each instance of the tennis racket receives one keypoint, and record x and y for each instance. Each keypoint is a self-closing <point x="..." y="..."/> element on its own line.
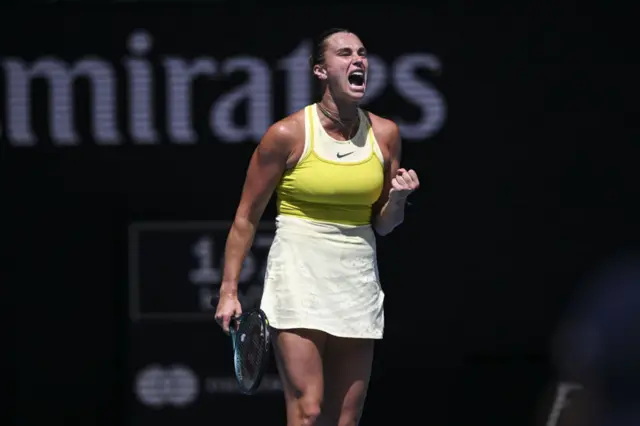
<point x="251" y="342"/>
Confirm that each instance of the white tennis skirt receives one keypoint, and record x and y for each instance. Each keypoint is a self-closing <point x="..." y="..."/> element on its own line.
<point x="324" y="276"/>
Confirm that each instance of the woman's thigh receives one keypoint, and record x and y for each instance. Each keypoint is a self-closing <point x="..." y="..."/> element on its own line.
<point x="347" y="369"/>
<point x="298" y="354"/>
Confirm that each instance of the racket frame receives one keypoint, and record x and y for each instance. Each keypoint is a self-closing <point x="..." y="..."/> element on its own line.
<point x="234" y="325"/>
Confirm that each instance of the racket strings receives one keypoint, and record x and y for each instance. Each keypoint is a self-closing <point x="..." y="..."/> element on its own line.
<point x="251" y="351"/>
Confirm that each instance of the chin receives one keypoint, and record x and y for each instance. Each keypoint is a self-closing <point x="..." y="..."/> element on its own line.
<point x="355" y="94"/>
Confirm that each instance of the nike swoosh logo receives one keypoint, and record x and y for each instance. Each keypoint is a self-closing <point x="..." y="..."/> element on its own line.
<point x="344" y="155"/>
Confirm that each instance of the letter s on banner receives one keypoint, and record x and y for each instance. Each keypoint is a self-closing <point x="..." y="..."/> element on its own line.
<point x="421" y="93"/>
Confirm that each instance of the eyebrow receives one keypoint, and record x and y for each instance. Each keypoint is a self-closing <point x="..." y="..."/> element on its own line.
<point x="348" y="49"/>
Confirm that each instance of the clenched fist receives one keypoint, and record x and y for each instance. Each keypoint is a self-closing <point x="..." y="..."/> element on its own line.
<point x="403" y="184"/>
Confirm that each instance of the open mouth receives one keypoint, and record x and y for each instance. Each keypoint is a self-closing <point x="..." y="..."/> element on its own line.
<point x="356" y="78"/>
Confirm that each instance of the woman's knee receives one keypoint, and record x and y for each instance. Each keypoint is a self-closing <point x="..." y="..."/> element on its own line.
<point x="309" y="408"/>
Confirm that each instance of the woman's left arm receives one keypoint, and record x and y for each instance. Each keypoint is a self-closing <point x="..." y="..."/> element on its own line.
<point x="398" y="183"/>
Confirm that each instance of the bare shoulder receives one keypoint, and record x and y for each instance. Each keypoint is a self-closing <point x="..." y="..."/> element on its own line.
<point x="284" y="134"/>
<point x="386" y="131"/>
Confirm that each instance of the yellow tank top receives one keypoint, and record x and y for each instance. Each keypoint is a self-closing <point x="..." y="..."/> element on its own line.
<point x="334" y="181"/>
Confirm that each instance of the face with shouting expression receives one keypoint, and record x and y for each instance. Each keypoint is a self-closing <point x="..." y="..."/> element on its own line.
<point x="344" y="68"/>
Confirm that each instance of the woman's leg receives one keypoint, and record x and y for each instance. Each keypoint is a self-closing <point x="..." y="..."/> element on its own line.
<point x="347" y="368"/>
<point x="298" y="354"/>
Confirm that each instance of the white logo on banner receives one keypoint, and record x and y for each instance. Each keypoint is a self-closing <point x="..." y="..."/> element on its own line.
<point x="176" y="268"/>
<point x="228" y="385"/>
<point x="180" y="74"/>
<point x="158" y="386"/>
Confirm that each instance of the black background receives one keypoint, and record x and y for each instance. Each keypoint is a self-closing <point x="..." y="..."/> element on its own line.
<point x="532" y="180"/>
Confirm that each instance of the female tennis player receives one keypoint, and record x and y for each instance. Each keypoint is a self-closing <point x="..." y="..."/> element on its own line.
<point x="335" y="169"/>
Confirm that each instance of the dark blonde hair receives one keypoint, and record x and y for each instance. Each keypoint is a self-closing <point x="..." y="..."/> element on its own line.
<point x="320" y="45"/>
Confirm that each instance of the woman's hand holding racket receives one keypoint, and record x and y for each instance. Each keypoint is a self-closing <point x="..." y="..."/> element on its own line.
<point x="250" y="338"/>
<point x="228" y="307"/>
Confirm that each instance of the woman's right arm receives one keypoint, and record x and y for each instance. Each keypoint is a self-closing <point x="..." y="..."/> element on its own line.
<point x="268" y="163"/>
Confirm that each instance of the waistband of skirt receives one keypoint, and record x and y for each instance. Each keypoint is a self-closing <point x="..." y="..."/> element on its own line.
<point x="286" y="224"/>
